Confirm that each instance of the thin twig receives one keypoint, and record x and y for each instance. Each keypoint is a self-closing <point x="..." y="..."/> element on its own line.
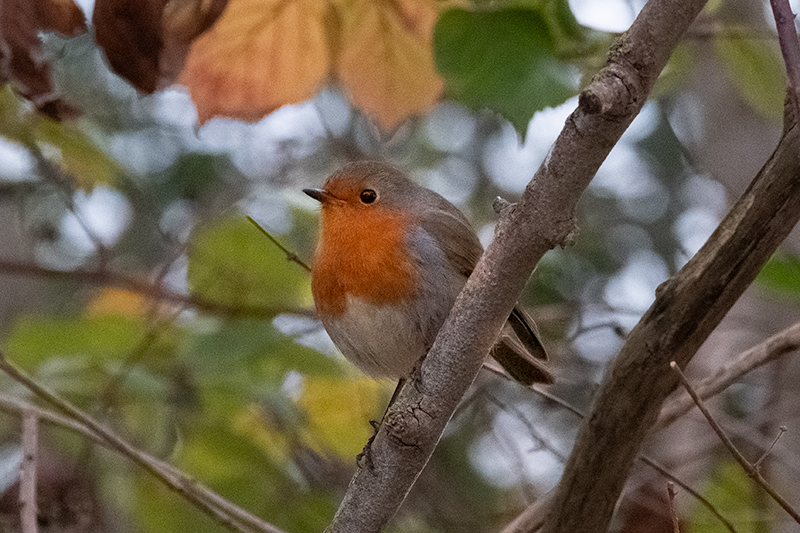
<point x="781" y="431"/>
<point x="65" y="183"/>
<point x="790" y="48"/>
<point x="11" y="405"/>
<point x="291" y="256"/>
<point x="714" y="425"/>
<point x="157" y="292"/>
<point x="224" y="512"/>
<point x="519" y="415"/>
<point x="749" y="469"/>
<point x="699" y="497"/>
<point x="27" y="479"/>
<point x="673" y="512"/>
<point x="15" y="406"/>
<point x="783" y="342"/>
<point x="555" y="399"/>
<point x="494" y="367"/>
<point x="641" y="457"/>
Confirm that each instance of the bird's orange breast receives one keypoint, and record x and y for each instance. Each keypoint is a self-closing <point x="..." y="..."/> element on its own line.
<point x="361" y="253"/>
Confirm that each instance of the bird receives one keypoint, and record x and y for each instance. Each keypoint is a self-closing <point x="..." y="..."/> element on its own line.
<point x="391" y="258"/>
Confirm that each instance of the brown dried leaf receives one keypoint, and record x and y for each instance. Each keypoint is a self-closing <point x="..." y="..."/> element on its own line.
<point x="21" y="51"/>
<point x="184" y="20"/>
<point x="385" y="61"/>
<point x="129" y="32"/>
<point x="259" y="56"/>
<point x="146" y="41"/>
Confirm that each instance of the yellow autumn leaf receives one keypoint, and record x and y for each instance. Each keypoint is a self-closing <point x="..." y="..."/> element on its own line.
<point x="75" y="152"/>
<point x="64" y="144"/>
<point x="339" y="410"/>
<point x="336" y="418"/>
<point x="385" y="62"/>
<point x="257" y="57"/>
<point x="113" y="301"/>
<point x="252" y="423"/>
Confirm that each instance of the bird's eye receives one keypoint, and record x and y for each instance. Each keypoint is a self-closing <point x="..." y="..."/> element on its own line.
<point x="368" y="196"/>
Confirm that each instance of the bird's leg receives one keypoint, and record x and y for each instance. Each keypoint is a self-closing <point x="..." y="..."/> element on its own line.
<point x="365" y="454"/>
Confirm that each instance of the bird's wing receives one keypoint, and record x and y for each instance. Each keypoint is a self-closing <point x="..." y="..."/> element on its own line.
<point x="454" y="234"/>
<point x="518" y="349"/>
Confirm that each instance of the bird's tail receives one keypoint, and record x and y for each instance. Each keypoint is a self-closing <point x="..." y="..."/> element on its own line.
<point x="520" y="352"/>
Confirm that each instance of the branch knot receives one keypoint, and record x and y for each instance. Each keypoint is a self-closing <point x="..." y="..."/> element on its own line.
<point x="615" y="91"/>
<point x="404" y="426"/>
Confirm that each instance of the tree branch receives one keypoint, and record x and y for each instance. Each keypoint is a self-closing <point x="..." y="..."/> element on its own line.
<point x="750" y="469"/>
<point x="790" y="48"/>
<point x="157" y="292"/>
<point x="532" y="517"/>
<point x="218" y="508"/>
<point x="27" y="478"/>
<point x="687" y="309"/>
<point x="783" y="342"/>
<point x="543" y="219"/>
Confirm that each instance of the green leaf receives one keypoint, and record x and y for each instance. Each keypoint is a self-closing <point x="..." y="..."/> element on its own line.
<point x="676" y="71"/>
<point x="731" y="492"/>
<point x="560" y="19"/>
<point x="756" y="69"/>
<point x="502" y="60"/>
<point x="562" y="23"/>
<point x="233" y="465"/>
<point x="230" y="262"/>
<point x="64" y="142"/>
<point x="78" y="154"/>
<point x="255" y="352"/>
<point x="35" y="339"/>
<point x="781" y="275"/>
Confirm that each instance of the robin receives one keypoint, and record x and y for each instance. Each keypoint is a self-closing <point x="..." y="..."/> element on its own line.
<point x="392" y="256"/>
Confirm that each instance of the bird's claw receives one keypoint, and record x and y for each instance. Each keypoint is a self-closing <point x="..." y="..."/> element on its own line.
<point x="365" y="457"/>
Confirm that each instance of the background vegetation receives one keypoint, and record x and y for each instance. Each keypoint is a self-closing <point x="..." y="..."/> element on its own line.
<point x="132" y="285"/>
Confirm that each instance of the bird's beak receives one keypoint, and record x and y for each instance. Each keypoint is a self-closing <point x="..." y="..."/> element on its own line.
<point x="320" y="195"/>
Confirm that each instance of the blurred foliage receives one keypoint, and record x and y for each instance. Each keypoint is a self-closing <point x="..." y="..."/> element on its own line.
<point x="231" y="262"/>
<point x="244" y="392"/>
<point x="732" y="493"/>
<point x="781" y="275"/>
<point x="756" y="71"/>
<point x="70" y="147"/>
<point x="503" y="60"/>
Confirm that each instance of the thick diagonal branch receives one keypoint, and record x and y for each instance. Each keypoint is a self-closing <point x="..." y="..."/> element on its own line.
<point x="686" y="310"/>
<point x="542" y="220"/>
